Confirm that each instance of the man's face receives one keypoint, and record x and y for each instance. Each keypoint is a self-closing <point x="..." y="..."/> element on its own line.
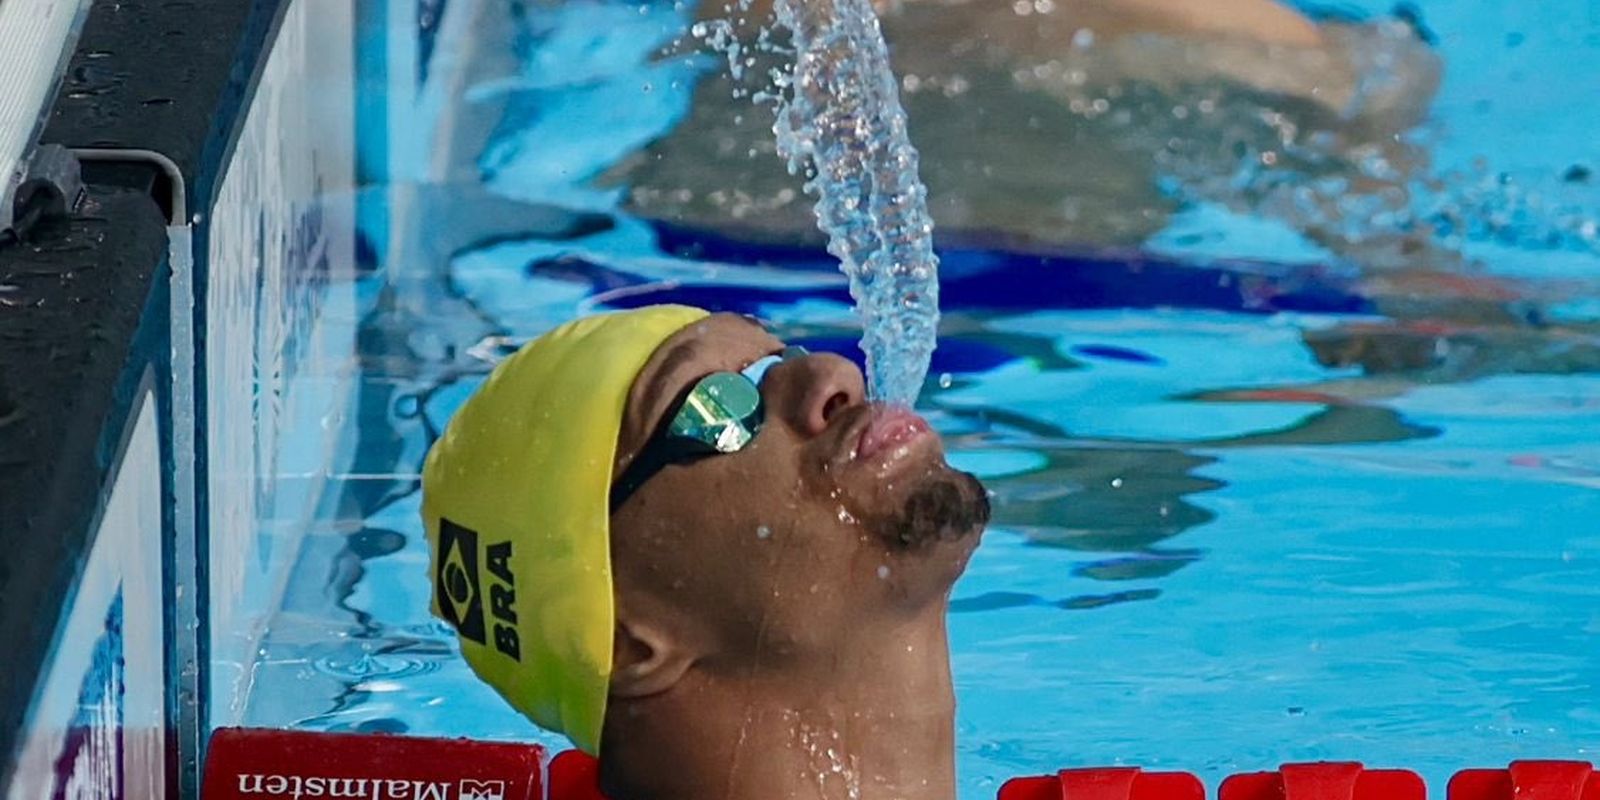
<point x="838" y="513"/>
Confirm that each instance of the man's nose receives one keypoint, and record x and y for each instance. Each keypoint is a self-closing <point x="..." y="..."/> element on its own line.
<point x="807" y="392"/>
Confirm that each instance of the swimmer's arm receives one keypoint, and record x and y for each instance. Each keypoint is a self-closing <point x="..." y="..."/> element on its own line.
<point x="1265" y="21"/>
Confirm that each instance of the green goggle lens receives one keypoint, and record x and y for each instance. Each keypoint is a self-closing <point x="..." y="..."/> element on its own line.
<point x="723" y="411"/>
<point x="721" y="414"/>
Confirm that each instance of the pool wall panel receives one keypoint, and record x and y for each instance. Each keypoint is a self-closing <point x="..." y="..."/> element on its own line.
<point x="277" y="364"/>
<point x="161" y="93"/>
<point x="83" y="510"/>
<point x="97" y="728"/>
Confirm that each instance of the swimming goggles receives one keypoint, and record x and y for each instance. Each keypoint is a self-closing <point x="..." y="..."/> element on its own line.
<point x="721" y="413"/>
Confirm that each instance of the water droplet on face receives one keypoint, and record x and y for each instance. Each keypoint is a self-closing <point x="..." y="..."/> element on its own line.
<point x="763" y="532"/>
<point x="883" y="572"/>
<point x="846" y="517"/>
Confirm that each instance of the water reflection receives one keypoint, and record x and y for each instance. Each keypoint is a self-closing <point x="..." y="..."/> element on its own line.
<point x="1101" y="521"/>
<point x="429" y="338"/>
<point x="1093" y="125"/>
<point x="1106" y="500"/>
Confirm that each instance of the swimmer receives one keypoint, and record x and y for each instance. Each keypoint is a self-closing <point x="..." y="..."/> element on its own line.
<point x="706" y="559"/>
<point x="1083" y="124"/>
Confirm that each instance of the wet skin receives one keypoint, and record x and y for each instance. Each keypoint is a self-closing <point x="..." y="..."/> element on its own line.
<point x="787" y="599"/>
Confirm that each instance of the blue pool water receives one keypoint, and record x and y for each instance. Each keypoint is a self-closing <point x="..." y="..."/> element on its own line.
<point x="1259" y="498"/>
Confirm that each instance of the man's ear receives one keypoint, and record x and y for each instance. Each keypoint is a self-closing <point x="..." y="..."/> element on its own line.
<point x="646" y="660"/>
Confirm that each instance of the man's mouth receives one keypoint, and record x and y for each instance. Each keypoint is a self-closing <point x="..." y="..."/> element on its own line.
<point x="888" y="427"/>
<point x="939" y="505"/>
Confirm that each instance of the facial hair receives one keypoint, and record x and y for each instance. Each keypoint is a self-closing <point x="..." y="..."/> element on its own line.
<point x="950" y="507"/>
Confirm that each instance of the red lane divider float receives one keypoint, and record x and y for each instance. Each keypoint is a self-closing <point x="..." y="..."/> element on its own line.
<point x="254" y="764"/>
<point x="1324" y="781"/>
<point x="246" y="764"/>
<point x="575" y="775"/>
<point x="1528" y="780"/>
<point x="1114" y="783"/>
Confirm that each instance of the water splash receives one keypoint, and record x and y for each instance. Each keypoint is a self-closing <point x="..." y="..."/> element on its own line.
<point x="840" y="124"/>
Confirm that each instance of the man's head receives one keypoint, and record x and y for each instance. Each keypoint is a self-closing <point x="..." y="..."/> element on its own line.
<point x="835" y="521"/>
<point x="837" y="518"/>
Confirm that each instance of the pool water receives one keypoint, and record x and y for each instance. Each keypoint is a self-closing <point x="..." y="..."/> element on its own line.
<point x="1257" y="500"/>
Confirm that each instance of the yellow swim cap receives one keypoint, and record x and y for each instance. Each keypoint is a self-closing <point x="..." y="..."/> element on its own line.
<point x="515" y="500"/>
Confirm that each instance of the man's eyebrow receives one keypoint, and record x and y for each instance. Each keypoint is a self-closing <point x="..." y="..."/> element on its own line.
<point x="674" y="360"/>
<point x="684" y="353"/>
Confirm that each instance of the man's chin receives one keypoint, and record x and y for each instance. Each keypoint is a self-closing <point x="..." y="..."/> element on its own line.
<point x="950" y="508"/>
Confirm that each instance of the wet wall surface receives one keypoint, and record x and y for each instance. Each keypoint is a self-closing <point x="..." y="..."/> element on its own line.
<point x="71" y="301"/>
<point x="83" y="301"/>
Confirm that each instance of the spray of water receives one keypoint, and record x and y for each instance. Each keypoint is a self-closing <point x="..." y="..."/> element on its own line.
<point x="840" y="124"/>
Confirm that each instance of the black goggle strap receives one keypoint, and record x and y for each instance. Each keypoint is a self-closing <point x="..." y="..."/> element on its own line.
<point x="661" y="452"/>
